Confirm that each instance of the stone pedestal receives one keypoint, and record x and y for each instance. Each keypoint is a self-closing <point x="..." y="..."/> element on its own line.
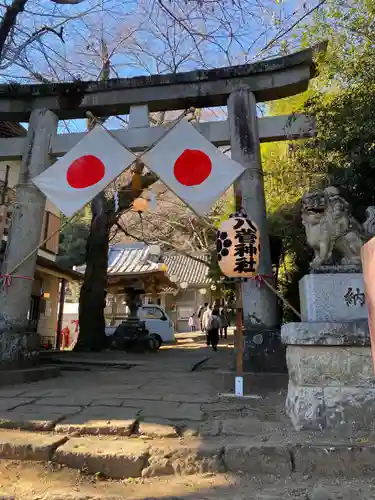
<point x="331" y="374"/>
<point x="332" y="297"/>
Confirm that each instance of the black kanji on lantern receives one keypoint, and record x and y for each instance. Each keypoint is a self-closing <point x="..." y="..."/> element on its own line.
<point x="245" y="249"/>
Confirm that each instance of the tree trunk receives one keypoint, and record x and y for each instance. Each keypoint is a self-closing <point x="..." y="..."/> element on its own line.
<point x="91" y="335"/>
<point x="24" y="237"/>
<point x="91" y="302"/>
<point x="9" y="21"/>
<point x="92" y="297"/>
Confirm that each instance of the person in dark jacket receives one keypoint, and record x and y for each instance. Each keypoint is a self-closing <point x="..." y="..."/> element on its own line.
<point x="213" y="329"/>
<point x="224" y="323"/>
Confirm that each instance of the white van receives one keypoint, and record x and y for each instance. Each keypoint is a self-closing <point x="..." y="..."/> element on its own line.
<point x="158" y="323"/>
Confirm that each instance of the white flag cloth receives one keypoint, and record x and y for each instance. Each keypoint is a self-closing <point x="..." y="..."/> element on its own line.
<point x="192" y="167"/>
<point x="84" y="171"/>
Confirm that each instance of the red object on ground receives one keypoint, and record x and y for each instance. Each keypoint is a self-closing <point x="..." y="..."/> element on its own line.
<point x="65" y="337"/>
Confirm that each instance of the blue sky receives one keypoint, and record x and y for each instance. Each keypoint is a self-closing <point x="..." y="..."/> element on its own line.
<point x="142" y="39"/>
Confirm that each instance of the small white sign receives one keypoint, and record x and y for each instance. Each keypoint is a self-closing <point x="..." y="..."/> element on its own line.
<point x="184" y="313"/>
<point x="238" y="386"/>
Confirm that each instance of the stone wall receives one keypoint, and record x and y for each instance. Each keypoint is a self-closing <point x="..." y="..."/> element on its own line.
<point x="331" y="375"/>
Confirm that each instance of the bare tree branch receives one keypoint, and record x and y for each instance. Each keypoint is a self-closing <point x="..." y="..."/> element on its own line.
<point x="34" y="37"/>
<point x="168" y="245"/>
<point x="68" y="2"/>
<point x="9" y="20"/>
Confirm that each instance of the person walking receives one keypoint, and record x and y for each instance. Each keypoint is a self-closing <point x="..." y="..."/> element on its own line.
<point x="224" y="323"/>
<point x="201" y="311"/>
<point x="193" y="322"/>
<point x="206" y="321"/>
<point x="213" y="329"/>
<point x="196" y="323"/>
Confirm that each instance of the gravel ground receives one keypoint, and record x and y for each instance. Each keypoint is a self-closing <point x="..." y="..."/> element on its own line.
<point x="36" y="481"/>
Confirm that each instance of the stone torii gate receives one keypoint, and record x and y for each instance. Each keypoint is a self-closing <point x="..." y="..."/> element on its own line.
<point x="239" y="88"/>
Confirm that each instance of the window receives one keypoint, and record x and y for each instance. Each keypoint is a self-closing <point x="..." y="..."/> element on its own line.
<point x="184" y="313"/>
<point x="151" y="313"/>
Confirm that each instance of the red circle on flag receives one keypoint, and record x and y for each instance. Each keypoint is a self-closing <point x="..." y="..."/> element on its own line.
<point x="192" y="167"/>
<point x="85" y="171"/>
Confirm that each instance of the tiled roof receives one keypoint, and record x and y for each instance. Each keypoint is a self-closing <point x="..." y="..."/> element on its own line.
<point x="187" y="269"/>
<point x="135" y="258"/>
<point x="130" y="258"/>
<point x="12" y="129"/>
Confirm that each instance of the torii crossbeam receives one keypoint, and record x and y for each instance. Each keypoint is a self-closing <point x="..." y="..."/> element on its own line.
<point x="238" y="87"/>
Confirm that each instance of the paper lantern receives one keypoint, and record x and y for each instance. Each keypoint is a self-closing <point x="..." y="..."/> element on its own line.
<point x="238" y="248"/>
<point x="140" y="205"/>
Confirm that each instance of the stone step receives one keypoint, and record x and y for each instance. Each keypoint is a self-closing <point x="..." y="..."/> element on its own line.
<point x="123" y="457"/>
<point x="26" y="375"/>
<point x="18" y="445"/>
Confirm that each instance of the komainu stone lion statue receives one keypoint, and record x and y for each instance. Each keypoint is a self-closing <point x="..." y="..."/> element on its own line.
<point x="329" y="226"/>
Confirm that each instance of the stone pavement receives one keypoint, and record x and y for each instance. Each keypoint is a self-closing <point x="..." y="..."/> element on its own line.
<point x="151" y="415"/>
<point x="153" y="394"/>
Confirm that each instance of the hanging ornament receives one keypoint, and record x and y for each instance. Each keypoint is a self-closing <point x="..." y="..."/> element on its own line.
<point x="140" y="205"/>
<point x="116" y="201"/>
<point x="238" y="247"/>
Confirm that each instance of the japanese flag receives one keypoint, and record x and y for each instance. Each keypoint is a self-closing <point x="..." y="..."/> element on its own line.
<point x="193" y="168"/>
<point x="84" y="171"/>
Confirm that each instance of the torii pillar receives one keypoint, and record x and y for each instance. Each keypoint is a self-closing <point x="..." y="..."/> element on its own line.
<point x="257" y="298"/>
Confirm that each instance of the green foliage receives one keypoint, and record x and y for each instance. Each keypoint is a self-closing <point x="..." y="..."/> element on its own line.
<point x="73" y="237"/>
<point x="342" y="100"/>
<point x="285" y="181"/>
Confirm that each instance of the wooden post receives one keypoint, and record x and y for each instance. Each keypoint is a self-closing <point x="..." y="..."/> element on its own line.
<point x="5" y="186"/>
<point x="4" y="209"/>
<point x="61" y="314"/>
<point x="24" y="236"/>
<point x="238" y="385"/>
